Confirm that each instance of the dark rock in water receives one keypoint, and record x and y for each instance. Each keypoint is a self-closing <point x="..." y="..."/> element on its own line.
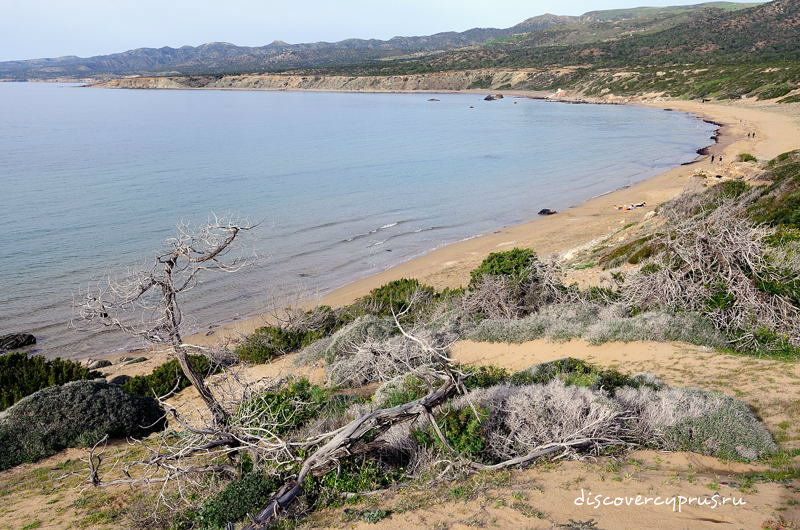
<point x="498" y="96"/>
<point x="100" y="363"/>
<point x="13" y="341"/>
<point x="489" y="98"/>
<point x="547" y="211"/>
<point x="433" y="99"/>
<point x="120" y="380"/>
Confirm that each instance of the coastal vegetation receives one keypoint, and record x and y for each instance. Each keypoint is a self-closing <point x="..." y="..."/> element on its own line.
<point x="394" y="407"/>
<point x="389" y="407"/>
<point x="22" y="375"/>
<point x="76" y="414"/>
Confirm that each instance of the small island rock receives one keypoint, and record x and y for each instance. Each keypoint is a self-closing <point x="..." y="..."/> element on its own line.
<point x="13" y="341"/>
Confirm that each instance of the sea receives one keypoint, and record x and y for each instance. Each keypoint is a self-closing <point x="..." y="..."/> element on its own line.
<point x="342" y="185"/>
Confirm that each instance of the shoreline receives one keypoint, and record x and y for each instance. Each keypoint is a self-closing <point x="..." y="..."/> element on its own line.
<point x="449" y="265"/>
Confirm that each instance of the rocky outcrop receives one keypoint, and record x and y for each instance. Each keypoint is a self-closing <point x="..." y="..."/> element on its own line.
<point x="487" y="81"/>
<point x="13" y="341"/>
<point x="443" y="81"/>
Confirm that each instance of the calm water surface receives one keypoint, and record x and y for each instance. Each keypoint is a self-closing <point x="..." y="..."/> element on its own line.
<point x="344" y="185"/>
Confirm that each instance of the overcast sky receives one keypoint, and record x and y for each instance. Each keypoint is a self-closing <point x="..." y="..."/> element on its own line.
<point x="51" y="28"/>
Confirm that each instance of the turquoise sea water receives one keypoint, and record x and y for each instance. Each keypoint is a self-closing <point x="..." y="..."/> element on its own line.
<point x="344" y="185"/>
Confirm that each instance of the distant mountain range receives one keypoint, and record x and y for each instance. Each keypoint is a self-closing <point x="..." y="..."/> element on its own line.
<point x="710" y="34"/>
<point x="545" y="34"/>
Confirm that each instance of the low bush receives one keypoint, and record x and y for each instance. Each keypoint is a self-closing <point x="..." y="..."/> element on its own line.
<point x="599" y="325"/>
<point x="514" y="264"/>
<point x="167" y="377"/>
<point x="633" y="252"/>
<point x="536" y="415"/>
<point x="268" y="342"/>
<point x="575" y="372"/>
<point x="242" y="497"/>
<point x="747" y="157"/>
<point x="375" y="361"/>
<point x="21" y="375"/>
<point x="285" y="408"/>
<point x="345" y="341"/>
<point x="76" y="414"/>
<point x="514" y="420"/>
<point x="689" y="419"/>
<point x="462" y="429"/>
<point x="396" y="297"/>
<point x="401" y="390"/>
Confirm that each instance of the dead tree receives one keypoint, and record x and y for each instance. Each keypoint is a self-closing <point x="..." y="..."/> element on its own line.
<point x="146" y="301"/>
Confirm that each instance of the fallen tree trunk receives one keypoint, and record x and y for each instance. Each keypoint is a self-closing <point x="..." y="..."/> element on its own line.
<point x="345" y="443"/>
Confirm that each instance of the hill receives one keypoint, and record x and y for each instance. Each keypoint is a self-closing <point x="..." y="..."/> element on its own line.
<point x="765" y="32"/>
<point x="222" y="57"/>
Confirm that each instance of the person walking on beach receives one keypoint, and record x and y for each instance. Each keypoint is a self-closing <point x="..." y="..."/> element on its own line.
<point x="720" y="159"/>
<point x="712" y="159"/>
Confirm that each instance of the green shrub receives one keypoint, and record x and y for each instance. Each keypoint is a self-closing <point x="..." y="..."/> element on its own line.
<point x="77" y="414"/>
<point x="747" y="157"/>
<point x="396" y="297"/>
<point x="576" y="372"/>
<point x="246" y="495"/>
<point x="352" y="476"/>
<point x="719" y="298"/>
<point x="731" y="189"/>
<point x="401" y="391"/>
<point x="485" y="376"/>
<point x="515" y="264"/>
<point x="460" y="427"/>
<point x="293" y="404"/>
<point x="167" y="377"/>
<point x="783" y="210"/>
<point x="650" y="268"/>
<point x="21" y="375"/>
<point x="633" y="252"/>
<point x="268" y="342"/>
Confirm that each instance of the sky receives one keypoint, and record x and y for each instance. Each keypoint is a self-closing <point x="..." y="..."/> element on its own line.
<point x="51" y="28"/>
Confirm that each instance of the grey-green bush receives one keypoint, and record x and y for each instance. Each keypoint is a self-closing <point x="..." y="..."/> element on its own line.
<point x="76" y="414"/>
<point x="346" y="340"/>
<point x="597" y="324"/>
<point x="520" y="418"/>
<point x="689" y="419"/>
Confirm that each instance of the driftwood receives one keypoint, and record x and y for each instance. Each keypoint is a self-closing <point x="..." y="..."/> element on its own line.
<point x="342" y="445"/>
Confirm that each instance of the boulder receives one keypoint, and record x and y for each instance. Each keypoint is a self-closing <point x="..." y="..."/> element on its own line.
<point x="547" y="211"/>
<point x="13" y="341"/>
<point x="490" y="97"/>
